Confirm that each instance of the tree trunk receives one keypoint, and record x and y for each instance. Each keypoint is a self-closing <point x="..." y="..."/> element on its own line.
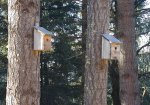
<point x="84" y="27"/>
<point x="113" y="64"/>
<point x="95" y="68"/>
<point x="23" y="82"/>
<point x="114" y="77"/>
<point x="84" y="34"/>
<point x="129" y="86"/>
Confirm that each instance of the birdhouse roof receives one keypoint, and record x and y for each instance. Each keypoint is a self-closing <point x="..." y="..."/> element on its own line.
<point x="111" y="38"/>
<point x="43" y="30"/>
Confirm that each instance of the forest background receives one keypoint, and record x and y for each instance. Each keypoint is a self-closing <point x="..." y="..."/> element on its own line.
<point x="62" y="69"/>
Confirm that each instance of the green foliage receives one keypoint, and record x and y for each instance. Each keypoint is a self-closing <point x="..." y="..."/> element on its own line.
<point x="61" y="71"/>
<point x="3" y="50"/>
<point x="142" y="19"/>
<point x="3" y="20"/>
<point x="144" y="77"/>
<point x="142" y="30"/>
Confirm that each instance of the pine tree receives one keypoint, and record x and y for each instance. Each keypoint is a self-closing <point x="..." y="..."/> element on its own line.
<point x="95" y="91"/>
<point x="23" y="82"/>
<point x="61" y="68"/>
<point x="129" y="84"/>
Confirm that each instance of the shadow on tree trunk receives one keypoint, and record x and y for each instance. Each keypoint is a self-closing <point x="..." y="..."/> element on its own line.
<point x="114" y="77"/>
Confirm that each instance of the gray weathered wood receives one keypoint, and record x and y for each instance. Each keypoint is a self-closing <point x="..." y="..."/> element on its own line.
<point x="111" y="38"/>
<point x="43" y="30"/>
<point x="106" y="47"/>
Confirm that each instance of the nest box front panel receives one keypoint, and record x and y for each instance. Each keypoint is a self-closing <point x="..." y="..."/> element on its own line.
<point x="115" y="51"/>
<point x="47" y="42"/>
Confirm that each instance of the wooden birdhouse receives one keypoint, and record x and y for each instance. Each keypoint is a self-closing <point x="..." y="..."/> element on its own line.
<point x="42" y="39"/>
<point x="110" y="47"/>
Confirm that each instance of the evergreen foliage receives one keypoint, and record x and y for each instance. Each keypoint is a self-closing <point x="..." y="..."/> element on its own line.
<point x="3" y="50"/>
<point x="61" y="69"/>
<point x="143" y="32"/>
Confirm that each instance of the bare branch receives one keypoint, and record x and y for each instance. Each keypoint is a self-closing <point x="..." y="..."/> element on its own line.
<point x="142" y="11"/>
<point x="147" y="44"/>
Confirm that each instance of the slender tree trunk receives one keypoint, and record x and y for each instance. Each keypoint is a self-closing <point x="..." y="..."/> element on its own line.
<point x="84" y="25"/>
<point x="84" y="34"/>
<point x="114" y="76"/>
<point x="96" y="69"/>
<point x="23" y="82"/>
<point x="113" y="64"/>
<point x="129" y="86"/>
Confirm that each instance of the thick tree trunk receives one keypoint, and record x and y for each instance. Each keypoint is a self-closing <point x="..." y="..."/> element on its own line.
<point x="129" y="86"/>
<point x="23" y="82"/>
<point x="96" y="69"/>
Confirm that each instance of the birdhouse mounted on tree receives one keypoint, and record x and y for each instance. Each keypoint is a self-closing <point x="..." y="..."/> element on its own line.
<point x="110" y="47"/>
<point x="42" y="39"/>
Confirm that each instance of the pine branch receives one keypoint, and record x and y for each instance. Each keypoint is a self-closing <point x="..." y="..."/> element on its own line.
<point x="143" y="33"/>
<point x="138" y="3"/>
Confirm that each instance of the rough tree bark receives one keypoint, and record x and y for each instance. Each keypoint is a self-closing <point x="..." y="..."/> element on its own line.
<point x="95" y="89"/>
<point x="129" y="86"/>
<point x="23" y="82"/>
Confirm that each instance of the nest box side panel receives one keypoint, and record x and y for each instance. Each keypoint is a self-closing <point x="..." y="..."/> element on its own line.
<point x="105" y="49"/>
<point x="38" y="40"/>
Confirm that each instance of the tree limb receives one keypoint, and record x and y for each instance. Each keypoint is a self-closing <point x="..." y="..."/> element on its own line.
<point x="147" y="44"/>
<point x="142" y="11"/>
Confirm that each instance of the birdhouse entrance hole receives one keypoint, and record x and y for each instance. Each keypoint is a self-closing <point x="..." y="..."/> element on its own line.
<point x="47" y="42"/>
